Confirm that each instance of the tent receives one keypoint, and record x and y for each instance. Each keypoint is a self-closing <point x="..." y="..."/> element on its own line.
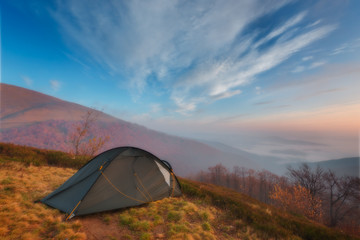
<point x="118" y="178"/>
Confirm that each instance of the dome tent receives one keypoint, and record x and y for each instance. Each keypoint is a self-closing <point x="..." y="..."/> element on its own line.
<point x="118" y="178"/>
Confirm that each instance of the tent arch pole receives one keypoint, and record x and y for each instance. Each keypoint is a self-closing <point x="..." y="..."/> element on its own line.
<point x="106" y="163"/>
<point x="138" y="179"/>
<point x="78" y="191"/>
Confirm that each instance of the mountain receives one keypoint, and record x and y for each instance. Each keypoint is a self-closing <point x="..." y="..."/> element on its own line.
<point x="342" y="167"/>
<point x="20" y="106"/>
<point x="34" y="119"/>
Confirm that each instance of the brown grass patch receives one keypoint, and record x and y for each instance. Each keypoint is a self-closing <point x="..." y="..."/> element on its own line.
<point x="169" y="218"/>
<point x="20" y="217"/>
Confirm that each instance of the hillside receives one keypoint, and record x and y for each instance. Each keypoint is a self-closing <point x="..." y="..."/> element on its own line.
<point x="20" y="106"/>
<point x="204" y="211"/>
<point x="20" y="218"/>
<point x="343" y="166"/>
<point x="35" y="119"/>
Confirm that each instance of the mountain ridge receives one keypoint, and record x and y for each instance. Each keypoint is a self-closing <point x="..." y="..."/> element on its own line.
<point x="23" y="106"/>
<point x="27" y="119"/>
<point x="35" y="119"/>
<point x="349" y="166"/>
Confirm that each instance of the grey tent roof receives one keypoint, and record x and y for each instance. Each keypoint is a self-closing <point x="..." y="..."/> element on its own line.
<point x="118" y="178"/>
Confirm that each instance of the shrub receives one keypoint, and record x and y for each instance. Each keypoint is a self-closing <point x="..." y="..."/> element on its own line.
<point x="174" y="216"/>
<point x="140" y="226"/>
<point x="298" y="200"/>
<point x="206" y="226"/>
<point x="178" y="228"/>
<point x="106" y="219"/>
<point x="125" y="220"/>
<point x="145" y="236"/>
<point x="205" y="216"/>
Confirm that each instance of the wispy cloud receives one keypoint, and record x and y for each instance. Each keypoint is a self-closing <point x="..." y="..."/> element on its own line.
<point x="280" y="30"/>
<point x="258" y="90"/>
<point x="317" y="64"/>
<point x="226" y="94"/>
<point x="282" y="106"/>
<point x="301" y="68"/>
<point x="298" y="69"/>
<point x="155" y="108"/>
<point x="290" y="152"/>
<point x="55" y="85"/>
<point x="289" y="141"/>
<point x="263" y="103"/>
<point x="317" y="22"/>
<point x="307" y="58"/>
<point x="197" y="51"/>
<point x="318" y="93"/>
<point x="28" y="81"/>
<point x="347" y="47"/>
<point x="332" y="75"/>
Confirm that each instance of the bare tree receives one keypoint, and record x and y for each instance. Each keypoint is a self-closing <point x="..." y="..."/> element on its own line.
<point x="307" y="178"/>
<point x="218" y="174"/>
<point x="81" y="140"/>
<point x="251" y="182"/>
<point x="343" y="193"/>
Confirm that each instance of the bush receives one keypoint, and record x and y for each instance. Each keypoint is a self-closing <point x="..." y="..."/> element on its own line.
<point x="125" y="220"/>
<point x="40" y="157"/>
<point x="174" y="216"/>
<point x="140" y="226"/>
<point x="206" y="226"/>
<point x="145" y="236"/>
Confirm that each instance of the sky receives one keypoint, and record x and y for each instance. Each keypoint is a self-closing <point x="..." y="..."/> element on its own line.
<point x="280" y="78"/>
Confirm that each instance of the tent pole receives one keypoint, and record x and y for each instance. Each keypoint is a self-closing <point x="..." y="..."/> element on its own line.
<point x="73" y="210"/>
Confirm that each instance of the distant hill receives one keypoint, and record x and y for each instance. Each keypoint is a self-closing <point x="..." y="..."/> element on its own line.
<point x="34" y="119"/>
<point x="343" y="166"/>
<point x="21" y="106"/>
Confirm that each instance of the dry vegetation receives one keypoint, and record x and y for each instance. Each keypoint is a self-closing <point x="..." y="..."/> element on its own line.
<point x="21" y="184"/>
<point x="20" y="217"/>
<point x="204" y="212"/>
<point x="172" y="218"/>
<point x="317" y="193"/>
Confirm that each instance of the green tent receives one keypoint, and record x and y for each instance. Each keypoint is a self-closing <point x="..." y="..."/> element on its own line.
<point x="118" y="178"/>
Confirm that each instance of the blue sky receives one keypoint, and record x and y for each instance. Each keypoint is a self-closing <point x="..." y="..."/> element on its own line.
<point x="246" y="73"/>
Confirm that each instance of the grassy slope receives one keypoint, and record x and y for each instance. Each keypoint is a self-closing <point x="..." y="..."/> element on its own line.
<point x="204" y="212"/>
<point x="171" y="218"/>
<point x="267" y="221"/>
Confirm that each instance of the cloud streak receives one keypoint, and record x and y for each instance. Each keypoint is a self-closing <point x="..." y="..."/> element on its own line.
<point x="55" y="85"/>
<point x="197" y="51"/>
<point x="28" y="81"/>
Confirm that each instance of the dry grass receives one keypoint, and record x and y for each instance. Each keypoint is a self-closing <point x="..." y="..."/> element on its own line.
<point x="170" y="218"/>
<point x="204" y="212"/>
<point x="20" y="217"/>
<point x="256" y="219"/>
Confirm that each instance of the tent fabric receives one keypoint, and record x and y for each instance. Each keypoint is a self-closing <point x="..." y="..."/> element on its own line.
<point x="118" y="178"/>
